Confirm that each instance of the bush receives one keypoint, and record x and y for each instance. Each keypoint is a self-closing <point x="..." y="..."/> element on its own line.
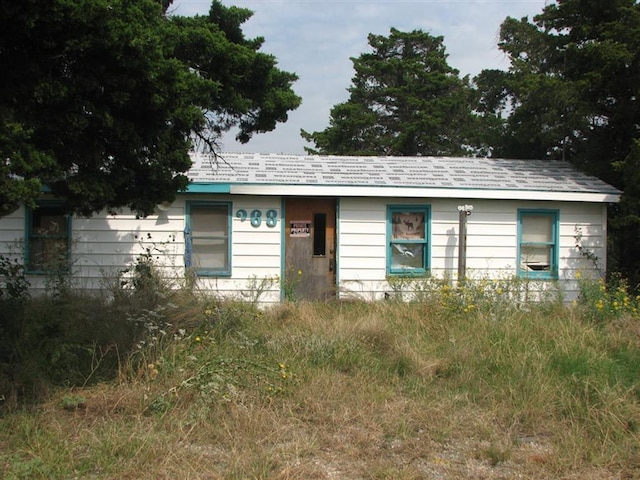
<point x="68" y="337"/>
<point x="602" y="301"/>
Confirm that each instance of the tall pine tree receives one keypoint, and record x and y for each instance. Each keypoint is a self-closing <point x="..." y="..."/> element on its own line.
<point x="573" y="93"/>
<point x="405" y="99"/>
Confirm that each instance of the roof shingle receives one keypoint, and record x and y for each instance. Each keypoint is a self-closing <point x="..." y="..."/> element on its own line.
<point x="421" y="172"/>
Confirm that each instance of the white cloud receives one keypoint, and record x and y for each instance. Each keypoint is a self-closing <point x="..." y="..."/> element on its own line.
<point x="316" y="39"/>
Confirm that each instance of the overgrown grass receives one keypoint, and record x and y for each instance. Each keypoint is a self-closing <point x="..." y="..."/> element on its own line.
<point x="388" y="390"/>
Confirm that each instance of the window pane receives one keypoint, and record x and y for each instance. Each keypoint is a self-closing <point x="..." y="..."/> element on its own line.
<point x="408" y="225"/>
<point x="48" y="254"/>
<point x="36" y="254"/>
<point x="319" y="233"/>
<point x="210" y="254"/>
<point x="47" y="221"/>
<point x="537" y="228"/>
<point x="536" y="258"/>
<point x="48" y="248"/>
<point x="407" y="256"/>
<point x="209" y="220"/>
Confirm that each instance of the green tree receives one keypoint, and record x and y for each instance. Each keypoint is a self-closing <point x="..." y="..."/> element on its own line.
<point x="404" y="100"/>
<point x="572" y="92"/>
<point x="102" y="100"/>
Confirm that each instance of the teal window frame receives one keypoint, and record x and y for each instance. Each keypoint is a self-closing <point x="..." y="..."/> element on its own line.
<point x="34" y="234"/>
<point x="193" y="237"/>
<point x="408" y="246"/>
<point x="552" y="243"/>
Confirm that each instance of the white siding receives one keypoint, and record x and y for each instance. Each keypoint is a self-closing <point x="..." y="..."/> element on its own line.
<point x="491" y="241"/>
<point x="104" y="245"/>
<point x="12" y="234"/>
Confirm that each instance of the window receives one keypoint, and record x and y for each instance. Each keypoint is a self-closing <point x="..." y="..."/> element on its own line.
<point x="538" y="243"/>
<point x="48" y="233"/>
<point x="319" y="234"/>
<point x="207" y="239"/>
<point x="407" y="239"/>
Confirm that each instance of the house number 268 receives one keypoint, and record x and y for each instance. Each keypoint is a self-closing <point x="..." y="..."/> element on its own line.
<point x="256" y="217"/>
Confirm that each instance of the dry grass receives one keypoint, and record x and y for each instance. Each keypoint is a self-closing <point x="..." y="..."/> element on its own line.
<point x="351" y="391"/>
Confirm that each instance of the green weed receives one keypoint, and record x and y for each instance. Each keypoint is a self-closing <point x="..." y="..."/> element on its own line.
<point x="392" y="389"/>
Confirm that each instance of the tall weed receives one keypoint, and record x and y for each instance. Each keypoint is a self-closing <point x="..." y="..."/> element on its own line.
<point x="602" y="301"/>
<point x="389" y="389"/>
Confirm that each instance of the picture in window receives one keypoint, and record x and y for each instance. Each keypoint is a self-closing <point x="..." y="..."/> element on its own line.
<point x="407" y="240"/>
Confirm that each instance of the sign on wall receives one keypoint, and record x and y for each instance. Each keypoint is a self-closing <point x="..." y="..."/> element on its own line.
<point x="300" y="228"/>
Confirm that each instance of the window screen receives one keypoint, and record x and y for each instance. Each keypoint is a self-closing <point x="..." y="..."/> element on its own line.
<point x="209" y="238"/>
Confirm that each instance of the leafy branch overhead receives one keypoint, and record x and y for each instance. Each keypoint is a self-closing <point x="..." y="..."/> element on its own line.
<point x="102" y="100"/>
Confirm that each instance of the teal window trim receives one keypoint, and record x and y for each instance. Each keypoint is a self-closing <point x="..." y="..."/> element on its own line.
<point x="189" y="237"/>
<point x="409" y="248"/>
<point x="553" y="244"/>
<point x="283" y="254"/>
<point x="32" y="235"/>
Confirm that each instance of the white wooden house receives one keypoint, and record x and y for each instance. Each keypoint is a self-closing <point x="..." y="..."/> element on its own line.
<point x="327" y="226"/>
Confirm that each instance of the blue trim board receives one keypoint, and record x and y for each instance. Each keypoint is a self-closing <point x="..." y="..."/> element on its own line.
<point x="283" y="253"/>
<point x="209" y="188"/>
<point x="337" y="247"/>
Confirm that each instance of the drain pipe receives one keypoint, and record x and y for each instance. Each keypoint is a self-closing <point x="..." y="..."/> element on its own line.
<point x="463" y="212"/>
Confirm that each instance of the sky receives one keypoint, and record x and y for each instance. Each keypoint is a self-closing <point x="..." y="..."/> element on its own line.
<point x="316" y="39"/>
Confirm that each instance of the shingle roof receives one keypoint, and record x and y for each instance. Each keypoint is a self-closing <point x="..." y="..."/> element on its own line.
<point x="421" y="172"/>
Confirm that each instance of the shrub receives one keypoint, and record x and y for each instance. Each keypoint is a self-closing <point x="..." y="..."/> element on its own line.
<point x="601" y="300"/>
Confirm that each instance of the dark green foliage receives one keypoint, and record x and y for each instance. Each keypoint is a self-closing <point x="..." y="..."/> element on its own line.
<point x="14" y="286"/>
<point x="67" y="337"/>
<point x="405" y="100"/>
<point x="572" y="93"/>
<point x="14" y="296"/>
<point x="60" y="343"/>
<point x="101" y="99"/>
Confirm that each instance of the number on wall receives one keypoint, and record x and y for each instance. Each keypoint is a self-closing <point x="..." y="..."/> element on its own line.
<point x="241" y="214"/>
<point x="256" y="217"/>
<point x="272" y="218"/>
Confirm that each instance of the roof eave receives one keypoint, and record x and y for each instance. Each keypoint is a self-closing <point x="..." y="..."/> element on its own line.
<point x="420" y="192"/>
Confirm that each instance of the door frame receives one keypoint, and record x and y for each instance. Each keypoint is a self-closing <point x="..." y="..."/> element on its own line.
<point x="331" y="204"/>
